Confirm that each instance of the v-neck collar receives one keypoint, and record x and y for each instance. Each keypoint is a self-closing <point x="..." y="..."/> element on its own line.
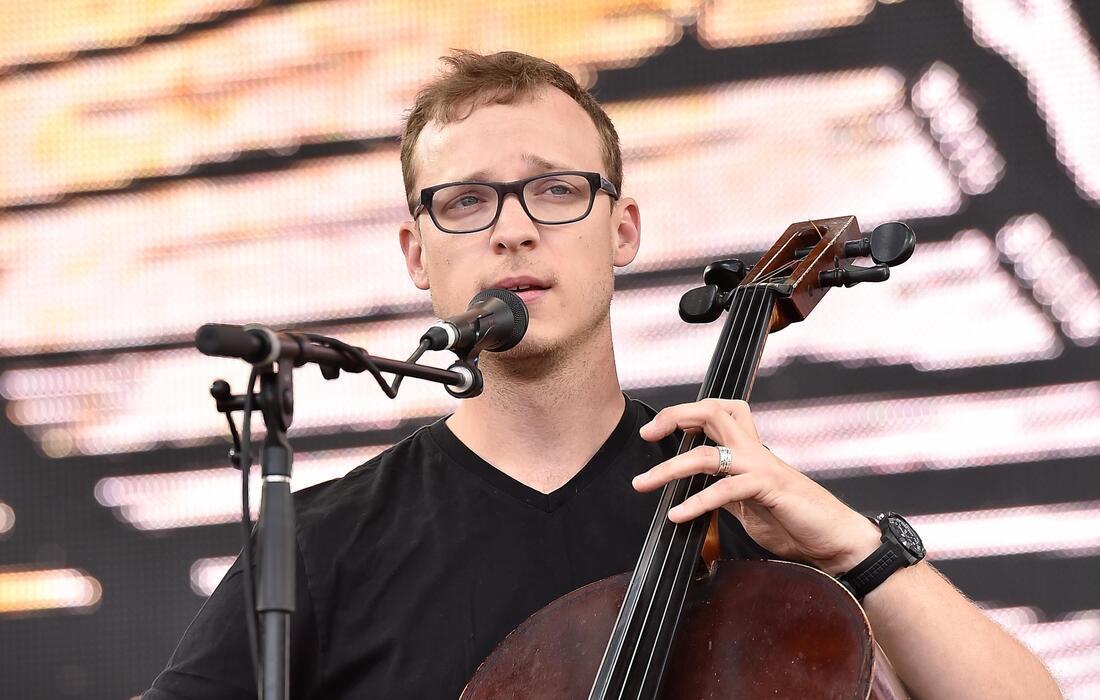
<point x="469" y="460"/>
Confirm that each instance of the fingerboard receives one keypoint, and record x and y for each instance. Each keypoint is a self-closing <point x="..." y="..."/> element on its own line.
<point x="633" y="664"/>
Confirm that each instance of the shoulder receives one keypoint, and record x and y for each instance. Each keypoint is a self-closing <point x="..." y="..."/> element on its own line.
<point x="391" y="472"/>
<point x="644" y="411"/>
<point x="647" y="454"/>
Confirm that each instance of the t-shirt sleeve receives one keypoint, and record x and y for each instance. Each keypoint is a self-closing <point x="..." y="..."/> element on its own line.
<point x="212" y="659"/>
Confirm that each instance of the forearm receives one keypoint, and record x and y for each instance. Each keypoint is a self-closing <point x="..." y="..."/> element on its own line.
<point x="944" y="648"/>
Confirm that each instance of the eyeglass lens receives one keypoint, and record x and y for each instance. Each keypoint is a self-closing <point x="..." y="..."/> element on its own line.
<point x="554" y="199"/>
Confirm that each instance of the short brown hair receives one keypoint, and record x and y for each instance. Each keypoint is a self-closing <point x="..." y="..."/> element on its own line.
<point x="474" y="80"/>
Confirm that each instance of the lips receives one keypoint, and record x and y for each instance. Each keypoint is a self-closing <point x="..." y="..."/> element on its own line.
<point x="526" y="287"/>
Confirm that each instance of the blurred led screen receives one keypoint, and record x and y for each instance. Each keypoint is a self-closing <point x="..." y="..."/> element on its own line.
<point x="172" y="163"/>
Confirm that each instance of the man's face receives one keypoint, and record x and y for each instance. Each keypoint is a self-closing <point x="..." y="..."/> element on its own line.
<point x="569" y="266"/>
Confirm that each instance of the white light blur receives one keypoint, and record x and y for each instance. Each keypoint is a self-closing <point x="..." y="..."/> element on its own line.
<point x="26" y="590"/>
<point x="724" y="23"/>
<point x="1087" y="689"/>
<point x="1059" y="281"/>
<point x="323" y="233"/>
<point x="210" y="496"/>
<point x="207" y="573"/>
<point x="1050" y="46"/>
<point x="953" y="118"/>
<point x="1066" y="528"/>
<point x="7" y="519"/>
<point x="860" y="435"/>
<point x="140" y="400"/>
<point x="726" y="169"/>
<point x="1070" y="647"/>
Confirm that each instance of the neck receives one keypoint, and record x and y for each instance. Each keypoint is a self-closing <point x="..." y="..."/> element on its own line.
<point x="540" y="420"/>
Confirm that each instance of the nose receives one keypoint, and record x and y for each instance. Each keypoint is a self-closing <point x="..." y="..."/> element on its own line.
<point x="514" y="230"/>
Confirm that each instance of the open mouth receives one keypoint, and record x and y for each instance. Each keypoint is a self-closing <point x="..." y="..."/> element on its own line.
<point x="528" y="292"/>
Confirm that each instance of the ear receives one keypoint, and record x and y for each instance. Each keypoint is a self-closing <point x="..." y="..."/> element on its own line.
<point x="628" y="233"/>
<point x="412" y="246"/>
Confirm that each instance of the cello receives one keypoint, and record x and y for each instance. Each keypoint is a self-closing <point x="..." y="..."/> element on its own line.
<point x="683" y="624"/>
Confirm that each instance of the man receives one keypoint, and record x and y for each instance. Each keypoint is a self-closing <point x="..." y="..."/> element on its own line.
<point x="416" y="564"/>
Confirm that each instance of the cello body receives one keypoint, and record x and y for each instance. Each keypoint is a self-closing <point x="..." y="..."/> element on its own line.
<point x="750" y="630"/>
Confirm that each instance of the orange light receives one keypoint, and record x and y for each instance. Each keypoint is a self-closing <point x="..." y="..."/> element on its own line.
<point x="35" y="590"/>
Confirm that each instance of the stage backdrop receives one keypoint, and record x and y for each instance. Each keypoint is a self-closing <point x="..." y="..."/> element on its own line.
<point x="173" y="163"/>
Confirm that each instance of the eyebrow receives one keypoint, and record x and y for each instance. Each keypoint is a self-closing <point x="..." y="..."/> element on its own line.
<point x="536" y="162"/>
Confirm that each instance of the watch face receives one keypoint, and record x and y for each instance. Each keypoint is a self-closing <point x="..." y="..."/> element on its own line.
<point x="906" y="535"/>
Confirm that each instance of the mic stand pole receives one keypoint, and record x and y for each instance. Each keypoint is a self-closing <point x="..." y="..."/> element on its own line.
<point x="275" y="530"/>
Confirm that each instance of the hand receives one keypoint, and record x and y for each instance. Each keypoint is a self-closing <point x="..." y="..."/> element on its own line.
<point x="781" y="508"/>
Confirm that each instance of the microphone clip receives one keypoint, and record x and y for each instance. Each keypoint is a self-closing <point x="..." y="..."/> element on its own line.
<point x="474" y="384"/>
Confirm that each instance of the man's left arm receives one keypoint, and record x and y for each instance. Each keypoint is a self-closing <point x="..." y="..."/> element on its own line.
<point x="941" y="644"/>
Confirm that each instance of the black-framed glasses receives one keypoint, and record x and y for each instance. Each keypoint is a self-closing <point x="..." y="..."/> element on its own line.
<point x="551" y="198"/>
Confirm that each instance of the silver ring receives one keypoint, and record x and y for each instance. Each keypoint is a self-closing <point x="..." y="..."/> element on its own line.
<point x="725" y="461"/>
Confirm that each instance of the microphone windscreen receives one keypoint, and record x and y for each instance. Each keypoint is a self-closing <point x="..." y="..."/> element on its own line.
<point x="520" y="317"/>
<point x="221" y="340"/>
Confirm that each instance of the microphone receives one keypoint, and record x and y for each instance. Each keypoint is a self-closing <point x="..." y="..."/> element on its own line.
<point x="495" y="320"/>
<point x="261" y="345"/>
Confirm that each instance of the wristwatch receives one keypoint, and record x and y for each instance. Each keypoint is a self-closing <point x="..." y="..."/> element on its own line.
<point x="901" y="547"/>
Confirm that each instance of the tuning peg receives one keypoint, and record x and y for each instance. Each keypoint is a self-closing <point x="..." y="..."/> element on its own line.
<point x="889" y="244"/>
<point x="853" y="274"/>
<point x="701" y="305"/>
<point x="725" y="274"/>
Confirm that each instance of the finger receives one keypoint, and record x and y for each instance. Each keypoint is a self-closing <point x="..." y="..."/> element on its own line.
<point x="699" y="460"/>
<point x="742" y="415"/>
<point x="710" y="415"/>
<point x="729" y="490"/>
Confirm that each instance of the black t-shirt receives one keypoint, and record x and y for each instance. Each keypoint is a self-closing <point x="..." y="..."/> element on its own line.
<point x="413" y="566"/>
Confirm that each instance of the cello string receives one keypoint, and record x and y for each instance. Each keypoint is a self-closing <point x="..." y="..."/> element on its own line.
<point x="717" y="389"/>
<point x="667" y="527"/>
<point x="778" y="271"/>
<point x="741" y="380"/>
<point x="755" y="300"/>
<point x="636" y="592"/>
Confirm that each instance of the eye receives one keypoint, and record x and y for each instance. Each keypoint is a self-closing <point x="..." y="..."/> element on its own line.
<point x="463" y="201"/>
<point x="555" y="188"/>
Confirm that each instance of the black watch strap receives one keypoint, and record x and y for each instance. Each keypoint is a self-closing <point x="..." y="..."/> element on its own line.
<point x="866" y="576"/>
<point x="891" y="555"/>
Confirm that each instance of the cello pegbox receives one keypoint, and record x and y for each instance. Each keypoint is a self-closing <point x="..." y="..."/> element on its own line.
<point x="789" y="268"/>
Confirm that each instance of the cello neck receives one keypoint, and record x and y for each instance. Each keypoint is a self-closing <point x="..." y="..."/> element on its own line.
<point x="634" y="661"/>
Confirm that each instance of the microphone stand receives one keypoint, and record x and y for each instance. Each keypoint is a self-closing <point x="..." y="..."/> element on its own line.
<point x="275" y="532"/>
